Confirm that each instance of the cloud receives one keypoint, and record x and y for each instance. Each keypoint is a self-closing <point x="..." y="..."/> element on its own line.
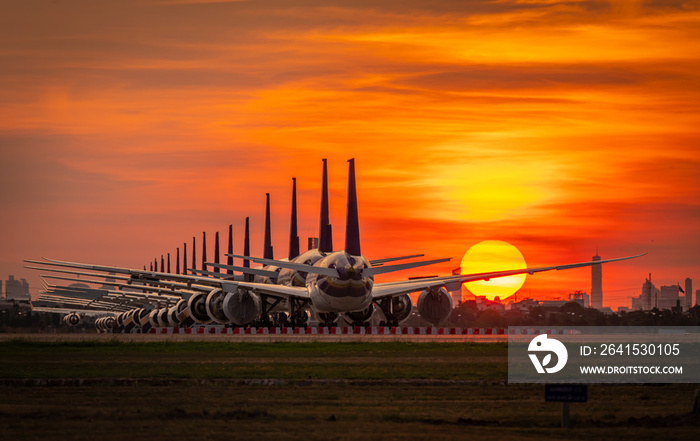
<point x="555" y="125"/>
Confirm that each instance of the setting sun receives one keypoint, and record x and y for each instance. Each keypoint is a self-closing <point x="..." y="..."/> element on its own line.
<point x="493" y="255"/>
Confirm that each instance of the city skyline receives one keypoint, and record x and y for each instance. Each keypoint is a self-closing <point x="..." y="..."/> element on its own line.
<point x="688" y="300"/>
<point x="558" y="127"/>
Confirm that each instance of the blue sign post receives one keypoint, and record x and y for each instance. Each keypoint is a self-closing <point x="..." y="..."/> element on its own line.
<point x="566" y="393"/>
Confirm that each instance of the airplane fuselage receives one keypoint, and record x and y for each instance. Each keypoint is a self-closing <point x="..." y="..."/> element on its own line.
<point x="348" y="292"/>
<point x="290" y="277"/>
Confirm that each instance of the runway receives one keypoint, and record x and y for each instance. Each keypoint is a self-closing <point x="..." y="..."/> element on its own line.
<point x="253" y="338"/>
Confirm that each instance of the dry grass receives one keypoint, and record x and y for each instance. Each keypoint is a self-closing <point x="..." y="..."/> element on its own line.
<point x="369" y="392"/>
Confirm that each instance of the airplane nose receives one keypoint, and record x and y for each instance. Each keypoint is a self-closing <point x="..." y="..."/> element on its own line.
<point x="354" y="273"/>
<point x="342" y="273"/>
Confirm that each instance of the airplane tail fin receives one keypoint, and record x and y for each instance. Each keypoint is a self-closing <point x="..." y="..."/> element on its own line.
<point x="204" y="251"/>
<point x="246" y="243"/>
<point x="184" y="259"/>
<point x="216" y="251"/>
<point x="229" y="260"/>
<point x="293" y="234"/>
<point x="194" y="252"/>
<point x="267" y="252"/>
<point x="352" y="222"/>
<point x="246" y="249"/>
<point x="325" y="231"/>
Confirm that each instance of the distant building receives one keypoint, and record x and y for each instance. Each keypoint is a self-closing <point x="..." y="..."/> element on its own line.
<point x="523" y="305"/>
<point x="483" y="303"/>
<point x="581" y="298"/>
<point x="553" y="303"/>
<point x="606" y="311"/>
<point x="668" y="297"/>
<point x="16" y="289"/>
<point x="689" y="293"/>
<point x="647" y="300"/>
<point x="2" y="293"/>
<point x="313" y="243"/>
<point x="596" y="284"/>
<point x="649" y="295"/>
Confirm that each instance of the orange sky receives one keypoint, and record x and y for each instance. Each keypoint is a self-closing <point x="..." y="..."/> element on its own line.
<point x="128" y="127"/>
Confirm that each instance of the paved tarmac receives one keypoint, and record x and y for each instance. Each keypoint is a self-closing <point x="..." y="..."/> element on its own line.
<point x="257" y="338"/>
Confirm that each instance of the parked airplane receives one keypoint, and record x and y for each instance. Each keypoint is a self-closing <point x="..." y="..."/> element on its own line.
<point x="339" y="282"/>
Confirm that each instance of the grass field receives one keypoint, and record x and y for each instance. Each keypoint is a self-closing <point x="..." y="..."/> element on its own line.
<point x="309" y="391"/>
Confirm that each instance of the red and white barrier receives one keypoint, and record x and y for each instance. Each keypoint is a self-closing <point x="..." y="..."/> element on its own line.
<point x="356" y="330"/>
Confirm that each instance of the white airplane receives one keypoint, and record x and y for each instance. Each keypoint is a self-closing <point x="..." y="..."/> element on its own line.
<point x="343" y="281"/>
<point x="340" y="282"/>
<point x="121" y="310"/>
<point x="201" y="302"/>
<point x="218" y="305"/>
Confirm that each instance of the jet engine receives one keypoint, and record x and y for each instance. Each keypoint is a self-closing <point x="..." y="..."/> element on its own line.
<point x="141" y="319"/>
<point x="129" y="320"/>
<point x="183" y="314"/>
<point x="105" y="324"/>
<point x="197" y="304"/>
<point x="435" y="304"/>
<point x="396" y="309"/>
<point x="215" y="306"/>
<point x="172" y="317"/>
<point x="153" y="318"/>
<point x="242" y="307"/>
<point x="72" y="319"/>
<point x="360" y="318"/>
<point x="110" y="323"/>
<point x="120" y="322"/>
<point x="162" y="318"/>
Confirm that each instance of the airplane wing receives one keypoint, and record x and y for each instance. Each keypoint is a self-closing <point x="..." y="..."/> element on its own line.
<point x="373" y="271"/>
<point x="126" y="281"/>
<point x="332" y="272"/>
<point x="255" y="271"/>
<point x="290" y="265"/>
<point x="453" y="283"/>
<point x="141" y="275"/>
<point x="155" y="277"/>
<point x="87" y="312"/>
<point x="380" y="262"/>
<point x="295" y="292"/>
<point x="127" y="288"/>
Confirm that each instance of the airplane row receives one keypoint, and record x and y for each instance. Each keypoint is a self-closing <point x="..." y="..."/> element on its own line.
<point x="321" y="282"/>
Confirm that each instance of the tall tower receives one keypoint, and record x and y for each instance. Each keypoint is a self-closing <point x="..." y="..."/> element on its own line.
<point x="689" y="293"/>
<point x="596" y="283"/>
<point x="648" y="291"/>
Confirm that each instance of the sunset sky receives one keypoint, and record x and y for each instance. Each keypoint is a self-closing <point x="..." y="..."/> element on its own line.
<point x="127" y="127"/>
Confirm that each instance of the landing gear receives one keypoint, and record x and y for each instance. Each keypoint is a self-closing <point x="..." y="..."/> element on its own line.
<point x="360" y="318"/>
<point x="300" y="319"/>
<point x="328" y="319"/>
<point x="298" y="316"/>
<point x="268" y="304"/>
<point x="264" y="321"/>
<point x="281" y="319"/>
<point x="396" y="309"/>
